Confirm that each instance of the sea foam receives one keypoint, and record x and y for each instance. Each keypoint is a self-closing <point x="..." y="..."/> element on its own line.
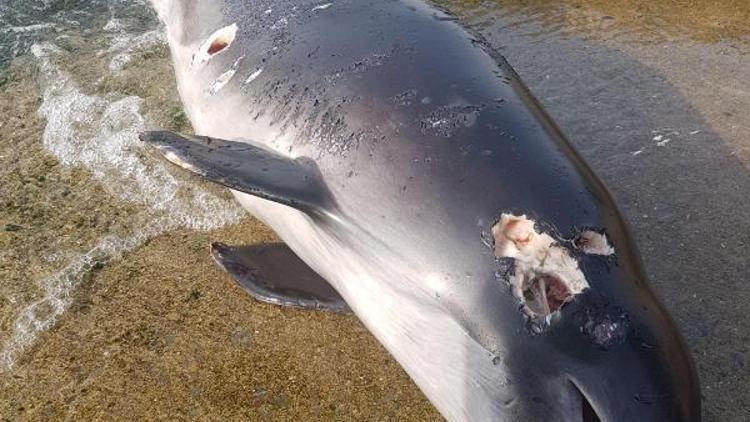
<point x="100" y="135"/>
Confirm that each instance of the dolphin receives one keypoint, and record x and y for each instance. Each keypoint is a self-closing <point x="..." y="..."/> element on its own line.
<point x="416" y="182"/>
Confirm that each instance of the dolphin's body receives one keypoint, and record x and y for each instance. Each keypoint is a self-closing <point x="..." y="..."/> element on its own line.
<point x="404" y="161"/>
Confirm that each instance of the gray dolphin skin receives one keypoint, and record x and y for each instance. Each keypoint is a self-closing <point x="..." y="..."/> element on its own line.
<point x="422" y="187"/>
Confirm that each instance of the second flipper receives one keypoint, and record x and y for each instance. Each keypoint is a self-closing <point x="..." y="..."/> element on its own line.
<point x="272" y="273"/>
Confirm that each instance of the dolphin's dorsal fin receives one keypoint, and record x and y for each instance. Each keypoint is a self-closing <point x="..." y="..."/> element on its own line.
<point x="248" y="168"/>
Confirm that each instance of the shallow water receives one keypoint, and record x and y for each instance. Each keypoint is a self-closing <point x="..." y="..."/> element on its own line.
<point x="111" y="307"/>
<point x="94" y="130"/>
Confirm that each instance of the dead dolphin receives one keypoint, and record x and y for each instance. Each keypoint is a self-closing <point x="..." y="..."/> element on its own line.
<point x="403" y="160"/>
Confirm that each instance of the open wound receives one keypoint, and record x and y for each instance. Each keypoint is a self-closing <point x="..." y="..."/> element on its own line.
<point x="216" y="43"/>
<point x="546" y="276"/>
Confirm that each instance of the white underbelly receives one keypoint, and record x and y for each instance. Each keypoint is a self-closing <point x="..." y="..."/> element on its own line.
<point x="454" y="371"/>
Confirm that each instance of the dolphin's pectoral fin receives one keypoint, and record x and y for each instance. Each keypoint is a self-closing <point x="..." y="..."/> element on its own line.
<point x="272" y="273"/>
<point x="248" y="168"/>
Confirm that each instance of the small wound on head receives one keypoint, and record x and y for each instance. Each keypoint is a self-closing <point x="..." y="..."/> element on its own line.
<point x="594" y="243"/>
<point x="216" y="46"/>
<point x="546" y="276"/>
<point x="216" y="43"/>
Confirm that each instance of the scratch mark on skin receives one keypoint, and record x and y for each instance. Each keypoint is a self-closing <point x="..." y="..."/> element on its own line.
<point x="225" y="77"/>
<point x="661" y="140"/>
<point x="322" y="7"/>
<point x="253" y="76"/>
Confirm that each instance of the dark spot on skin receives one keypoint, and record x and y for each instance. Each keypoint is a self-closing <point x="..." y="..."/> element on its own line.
<point x="606" y="325"/>
<point x="607" y="331"/>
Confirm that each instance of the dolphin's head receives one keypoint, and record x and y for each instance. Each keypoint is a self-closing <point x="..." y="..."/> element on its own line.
<point x="595" y="343"/>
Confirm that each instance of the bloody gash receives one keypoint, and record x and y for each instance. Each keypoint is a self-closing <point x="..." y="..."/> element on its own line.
<point x="416" y="182"/>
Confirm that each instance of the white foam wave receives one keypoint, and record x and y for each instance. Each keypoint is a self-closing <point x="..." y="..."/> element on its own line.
<point x="124" y="45"/>
<point x="42" y="314"/>
<point x="29" y="28"/>
<point x="101" y="136"/>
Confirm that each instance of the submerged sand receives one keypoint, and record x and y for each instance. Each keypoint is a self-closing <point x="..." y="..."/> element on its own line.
<point x="165" y="334"/>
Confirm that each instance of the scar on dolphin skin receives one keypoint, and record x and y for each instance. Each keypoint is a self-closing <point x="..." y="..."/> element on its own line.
<point x="321" y="7"/>
<point x="217" y="42"/>
<point x="546" y="276"/>
<point x="225" y="77"/>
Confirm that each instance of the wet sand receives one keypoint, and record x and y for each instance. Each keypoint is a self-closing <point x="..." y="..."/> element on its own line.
<point x="651" y="21"/>
<point x="165" y="334"/>
<point x="161" y="332"/>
